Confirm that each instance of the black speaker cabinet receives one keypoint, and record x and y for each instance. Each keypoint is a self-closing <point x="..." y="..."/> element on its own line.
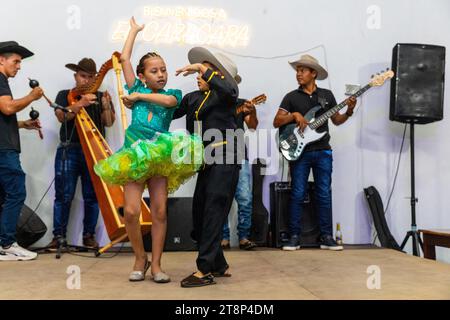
<point x="280" y="193"/>
<point x="30" y="228"/>
<point x="417" y="90"/>
<point x="179" y="226"/>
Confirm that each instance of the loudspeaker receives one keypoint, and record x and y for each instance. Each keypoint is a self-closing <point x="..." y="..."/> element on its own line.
<point x="30" y="228"/>
<point x="417" y="90"/>
<point x="280" y="193"/>
<point x="179" y="226"/>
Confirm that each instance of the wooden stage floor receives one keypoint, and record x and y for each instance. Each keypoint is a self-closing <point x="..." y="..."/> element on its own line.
<point x="260" y="274"/>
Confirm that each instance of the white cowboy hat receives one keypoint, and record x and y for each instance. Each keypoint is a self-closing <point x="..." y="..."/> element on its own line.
<point x="226" y="66"/>
<point x="309" y="61"/>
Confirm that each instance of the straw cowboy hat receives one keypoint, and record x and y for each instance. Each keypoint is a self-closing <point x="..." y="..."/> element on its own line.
<point x="85" y="64"/>
<point x="309" y="61"/>
<point x="14" y="47"/>
<point x="226" y="66"/>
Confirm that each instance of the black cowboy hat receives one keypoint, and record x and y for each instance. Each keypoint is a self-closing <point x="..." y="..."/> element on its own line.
<point x="14" y="47"/>
<point x="86" y="64"/>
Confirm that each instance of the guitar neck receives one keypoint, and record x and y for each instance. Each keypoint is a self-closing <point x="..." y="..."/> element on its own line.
<point x="239" y="109"/>
<point x="256" y="101"/>
<point x="327" y="115"/>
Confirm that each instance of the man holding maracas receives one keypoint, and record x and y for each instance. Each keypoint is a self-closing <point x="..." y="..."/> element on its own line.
<point x="12" y="177"/>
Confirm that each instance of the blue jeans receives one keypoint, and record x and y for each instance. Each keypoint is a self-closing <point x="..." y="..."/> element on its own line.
<point x="65" y="190"/>
<point x="12" y="183"/>
<point x="321" y="163"/>
<point x="244" y="198"/>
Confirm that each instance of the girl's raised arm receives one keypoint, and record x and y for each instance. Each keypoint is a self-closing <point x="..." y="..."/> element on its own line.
<point x="125" y="58"/>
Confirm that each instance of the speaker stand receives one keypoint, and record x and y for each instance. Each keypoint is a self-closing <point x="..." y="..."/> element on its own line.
<point x="413" y="233"/>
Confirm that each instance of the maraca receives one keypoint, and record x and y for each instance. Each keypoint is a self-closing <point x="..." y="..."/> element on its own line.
<point x="34" y="115"/>
<point x="34" y="84"/>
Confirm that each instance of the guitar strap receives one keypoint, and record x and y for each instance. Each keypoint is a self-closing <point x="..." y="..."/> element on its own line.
<point x="321" y="99"/>
<point x="289" y="177"/>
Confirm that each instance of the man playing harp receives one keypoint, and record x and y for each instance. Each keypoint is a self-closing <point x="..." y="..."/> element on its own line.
<point x="100" y="108"/>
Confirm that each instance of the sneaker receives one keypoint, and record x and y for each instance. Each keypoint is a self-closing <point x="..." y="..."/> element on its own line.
<point x="328" y="243"/>
<point x="293" y="244"/>
<point x="89" y="241"/>
<point x="16" y="253"/>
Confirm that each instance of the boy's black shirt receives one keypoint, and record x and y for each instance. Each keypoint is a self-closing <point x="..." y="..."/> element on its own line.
<point x="216" y="108"/>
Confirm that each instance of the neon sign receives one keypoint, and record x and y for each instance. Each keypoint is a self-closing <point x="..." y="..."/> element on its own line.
<point x="187" y="25"/>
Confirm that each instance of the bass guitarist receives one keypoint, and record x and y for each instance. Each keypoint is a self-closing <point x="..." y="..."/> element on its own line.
<point x="317" y="155"/>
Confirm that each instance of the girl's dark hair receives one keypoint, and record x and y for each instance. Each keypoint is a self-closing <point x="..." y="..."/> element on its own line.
<point x="141" y="66"/>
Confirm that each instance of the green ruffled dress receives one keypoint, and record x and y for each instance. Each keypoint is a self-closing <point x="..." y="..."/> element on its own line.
<point x="150" y="149"/>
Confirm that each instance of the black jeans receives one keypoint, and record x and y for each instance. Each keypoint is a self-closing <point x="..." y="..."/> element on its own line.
<point x="213" y="197"/>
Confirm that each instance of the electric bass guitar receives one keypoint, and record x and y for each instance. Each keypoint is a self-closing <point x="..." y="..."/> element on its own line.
<point x="292" y="141"/>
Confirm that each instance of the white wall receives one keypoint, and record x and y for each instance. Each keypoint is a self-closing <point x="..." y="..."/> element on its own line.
<point x="365" y="148"/>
